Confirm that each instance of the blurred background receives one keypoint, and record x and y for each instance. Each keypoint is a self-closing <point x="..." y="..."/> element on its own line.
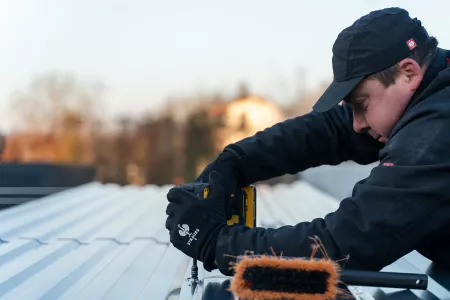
<point x="141" y="95"/>
<point x="149" y="92"/>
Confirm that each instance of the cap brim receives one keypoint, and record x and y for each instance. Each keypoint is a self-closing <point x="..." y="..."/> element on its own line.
<point x="335" y="93"/>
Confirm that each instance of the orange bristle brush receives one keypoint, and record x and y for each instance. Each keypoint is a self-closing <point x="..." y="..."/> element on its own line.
<point x="269" y="277"/>
<point x="276" y="277"/>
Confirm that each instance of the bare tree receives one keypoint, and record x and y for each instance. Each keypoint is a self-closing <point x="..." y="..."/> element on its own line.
<point x="61" y="108"/>
<point x="2" y="146"/>
<point x="43" y="106"/>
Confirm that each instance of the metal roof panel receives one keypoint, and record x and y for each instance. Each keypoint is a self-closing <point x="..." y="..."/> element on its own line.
<point x="94" y="241"/>
<point x="104" y="241"/>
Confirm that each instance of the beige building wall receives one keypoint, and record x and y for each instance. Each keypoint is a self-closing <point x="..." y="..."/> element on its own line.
<point x="245" y="117"/>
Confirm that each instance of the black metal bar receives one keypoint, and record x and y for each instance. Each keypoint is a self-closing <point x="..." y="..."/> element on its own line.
<point x="384" y="279"/>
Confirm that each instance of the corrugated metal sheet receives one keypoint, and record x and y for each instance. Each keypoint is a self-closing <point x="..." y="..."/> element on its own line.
<point x="106" y="242"/>
<point x="337" y="181"/>
<point x="91" y="242"/>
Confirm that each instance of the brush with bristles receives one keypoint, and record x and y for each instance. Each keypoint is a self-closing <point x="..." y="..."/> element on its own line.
<point x="277" y="277"/>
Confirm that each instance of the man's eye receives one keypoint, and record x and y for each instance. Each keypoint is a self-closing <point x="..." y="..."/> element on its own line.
<point x="360" y="103"/>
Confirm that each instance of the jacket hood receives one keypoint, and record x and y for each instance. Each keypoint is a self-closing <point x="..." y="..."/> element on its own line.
<point x="436" y="77"/>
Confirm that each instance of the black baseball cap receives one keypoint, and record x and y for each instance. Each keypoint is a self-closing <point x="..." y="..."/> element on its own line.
<point x="372" y="43"/>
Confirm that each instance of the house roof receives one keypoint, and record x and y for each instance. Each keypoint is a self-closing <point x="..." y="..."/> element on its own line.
<point x="106" y="242"/>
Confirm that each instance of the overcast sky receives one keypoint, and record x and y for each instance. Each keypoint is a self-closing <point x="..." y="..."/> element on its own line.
<point x="146" y="51"/>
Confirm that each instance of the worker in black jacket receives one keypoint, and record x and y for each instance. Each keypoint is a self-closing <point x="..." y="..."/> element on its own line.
<point x="389" y="101"/>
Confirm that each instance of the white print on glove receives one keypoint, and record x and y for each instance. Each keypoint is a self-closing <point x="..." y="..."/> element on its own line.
<point x="184" y="230"/>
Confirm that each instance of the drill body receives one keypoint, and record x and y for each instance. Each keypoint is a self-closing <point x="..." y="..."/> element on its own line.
<point x="242" y="211"/>
<point x="242" y="204"/>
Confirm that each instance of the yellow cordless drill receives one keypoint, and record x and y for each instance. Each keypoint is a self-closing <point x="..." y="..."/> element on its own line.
<point x="242" y="207"/>
<point x="242" y="204"/>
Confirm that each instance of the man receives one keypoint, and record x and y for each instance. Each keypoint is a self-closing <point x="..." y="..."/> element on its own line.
<point x="395" y="87"/>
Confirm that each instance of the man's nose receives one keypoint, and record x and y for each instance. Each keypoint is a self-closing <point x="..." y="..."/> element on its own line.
<point x="359" y="123"/>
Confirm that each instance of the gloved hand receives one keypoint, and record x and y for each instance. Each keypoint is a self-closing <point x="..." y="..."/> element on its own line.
<point x="194" y="223"/>
<point x="227" y="165"/>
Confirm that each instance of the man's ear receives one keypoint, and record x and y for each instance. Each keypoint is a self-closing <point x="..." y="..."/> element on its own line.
<point x="411" y="72"/>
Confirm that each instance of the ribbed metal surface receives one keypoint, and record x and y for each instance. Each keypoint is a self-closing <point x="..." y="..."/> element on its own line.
<point x="109" y="242"/>
<point x="91" y="242"/>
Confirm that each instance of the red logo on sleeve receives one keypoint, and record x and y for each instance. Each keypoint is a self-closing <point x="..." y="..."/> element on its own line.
<point x="388" y="164"/>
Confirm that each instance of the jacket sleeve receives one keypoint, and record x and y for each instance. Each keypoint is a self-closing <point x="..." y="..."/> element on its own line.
<point x="404" y="201"/>
<point x="300" y="143"/>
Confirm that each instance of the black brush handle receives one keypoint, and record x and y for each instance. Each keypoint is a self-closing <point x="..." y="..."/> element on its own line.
<point x="384" y="279"/>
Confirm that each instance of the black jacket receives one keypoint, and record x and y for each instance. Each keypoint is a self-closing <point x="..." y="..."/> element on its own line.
<point x="403" y="205"/>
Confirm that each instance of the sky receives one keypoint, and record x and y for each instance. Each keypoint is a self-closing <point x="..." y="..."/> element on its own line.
<point x="147" y="51"/>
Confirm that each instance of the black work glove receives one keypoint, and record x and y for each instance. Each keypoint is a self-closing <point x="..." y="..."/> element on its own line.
<point x="194" y="223"/>
<point x="227" y="164"/>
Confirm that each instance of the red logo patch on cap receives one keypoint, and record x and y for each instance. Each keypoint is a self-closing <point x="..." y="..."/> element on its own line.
<point x="411" y="44"/>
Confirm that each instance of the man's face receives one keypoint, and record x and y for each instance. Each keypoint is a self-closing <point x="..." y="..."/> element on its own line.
<point x="377" y="108"/>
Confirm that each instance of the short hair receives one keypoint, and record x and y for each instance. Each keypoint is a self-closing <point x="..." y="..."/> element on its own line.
<point x="422" y="56"/>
